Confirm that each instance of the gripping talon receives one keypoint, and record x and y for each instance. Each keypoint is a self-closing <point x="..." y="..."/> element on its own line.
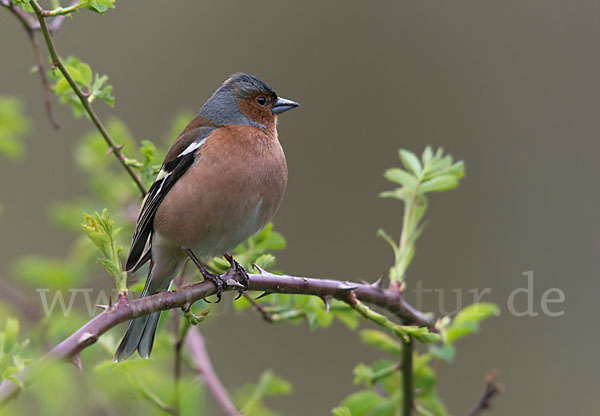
<point x="215" y="278"/>
<point x="241" y="272"/>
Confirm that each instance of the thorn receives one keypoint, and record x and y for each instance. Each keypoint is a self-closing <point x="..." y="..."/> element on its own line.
<point x="110" y="302"/>
<point x="378" y="284"/>
<point x="111" y="150"/>
<point x="76" y="360"/>
<point x="233" y="283"/>
<point x="327" y="300"/>
<point x="103" y="307"/>
<point x="262" y="295"/>
<point x="348" y="285"/>
<point x="261" y="270"/>
<point x="87" y="339"/>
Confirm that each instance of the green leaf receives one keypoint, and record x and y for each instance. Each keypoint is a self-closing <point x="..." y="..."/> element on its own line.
<point x="100" y="230"/>
<point x="387" y="407"/>
<point x="467" y="320"/>
<point x="98" y="6"/>
<point x="401" y="177"/>
<point x="345" y="314"/>
<point x="476" y="312"/>
<point x="265" y="261"/>
<point x="341" y="411"/>
<point x="76" y="75"/>
<point x="380" y="340"/>
<point x="361" y="403"/>
<point x="431" y="405"/>
<point x="447" y="352"/>
<point x="363" y="373"/>
<point x="381" y="233"/>
<point x="86" y="73"/>
<point x="439" y="183"/>
<point x="399" y="193"/>
<point x="410" y="161"/>
<point x="427" y="155"/>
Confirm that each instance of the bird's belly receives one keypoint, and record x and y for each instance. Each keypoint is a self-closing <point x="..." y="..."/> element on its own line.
<point x="219" y="216"/>
<point x="229" y="232"/>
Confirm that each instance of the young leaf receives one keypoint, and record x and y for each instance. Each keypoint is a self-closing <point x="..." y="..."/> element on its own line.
<point x="100" y="230"/>
<point x="380" y="340"/>
<point x="361" y="403"/>
<point x="341" y="411"/>
<point x="439" y="183"/>
<point x="410" y="161"/>
<point x="467" y="321"/>
<point x="400" y="176"/>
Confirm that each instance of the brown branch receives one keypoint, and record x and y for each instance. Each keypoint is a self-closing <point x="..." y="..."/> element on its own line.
<point x="492" y="388"/>
<point x="126" y="309"/>
<point x="202" y="364"/>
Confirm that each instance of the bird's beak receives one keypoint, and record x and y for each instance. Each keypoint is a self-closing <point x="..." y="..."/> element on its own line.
<point x="282" y="105"/>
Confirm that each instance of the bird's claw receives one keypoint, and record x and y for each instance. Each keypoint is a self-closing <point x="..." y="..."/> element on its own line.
<point x="219" y="283"/>
<point x="241" y="272"/>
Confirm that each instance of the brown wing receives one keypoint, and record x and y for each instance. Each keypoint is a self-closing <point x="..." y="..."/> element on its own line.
<point x="179" y="158"/>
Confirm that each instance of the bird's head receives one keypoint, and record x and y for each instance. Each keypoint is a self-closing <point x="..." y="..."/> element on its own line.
<point x="246" y="100"/>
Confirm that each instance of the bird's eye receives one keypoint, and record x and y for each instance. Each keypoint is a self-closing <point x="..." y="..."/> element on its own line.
<point x="261" y="100"/>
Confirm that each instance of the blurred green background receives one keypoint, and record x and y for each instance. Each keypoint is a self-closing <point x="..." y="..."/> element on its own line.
<point x="510" y="87"/>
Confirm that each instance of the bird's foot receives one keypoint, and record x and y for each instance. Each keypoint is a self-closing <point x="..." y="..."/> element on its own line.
<point x="241" y="272"/>
<point x="213" y="277"/>
<point x="219" y="283"/>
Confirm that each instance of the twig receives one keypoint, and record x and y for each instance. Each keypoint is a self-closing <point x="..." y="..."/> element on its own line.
<point x="492" y="388"/>
<point x="62" y="11"/>
<point x="179" y="338"/>
<point x="180" y="334"/>
<point x="27" y="22"/>
<point x="45" y="84"/>
<point x="30" y="22"/>
<point x="196" y="347"/>
<point x="56" y="61"/>
<point x="26" y="19"/>
<point x="267" y="316"/>
<point x="407" y="377"/>
<point x="125" y="309"/>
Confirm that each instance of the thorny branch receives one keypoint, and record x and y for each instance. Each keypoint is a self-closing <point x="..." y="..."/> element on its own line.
<point x="126" y="309"/>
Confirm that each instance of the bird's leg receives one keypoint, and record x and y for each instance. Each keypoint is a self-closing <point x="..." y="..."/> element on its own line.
<point x="215" y="278"/>
<point x="245" y="279"/>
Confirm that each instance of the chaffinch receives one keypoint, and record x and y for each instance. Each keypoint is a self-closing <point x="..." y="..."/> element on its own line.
<point x="221" y="181"/>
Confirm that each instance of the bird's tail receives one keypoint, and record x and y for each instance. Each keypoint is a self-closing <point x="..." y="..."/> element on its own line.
<point x="140" y="333"/>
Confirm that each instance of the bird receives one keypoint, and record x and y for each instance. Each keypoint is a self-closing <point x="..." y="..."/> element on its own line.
<point x="221" y="181"/>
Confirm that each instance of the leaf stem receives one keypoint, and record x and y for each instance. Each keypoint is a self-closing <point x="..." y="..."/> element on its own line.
<point x="61" y="11"/>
